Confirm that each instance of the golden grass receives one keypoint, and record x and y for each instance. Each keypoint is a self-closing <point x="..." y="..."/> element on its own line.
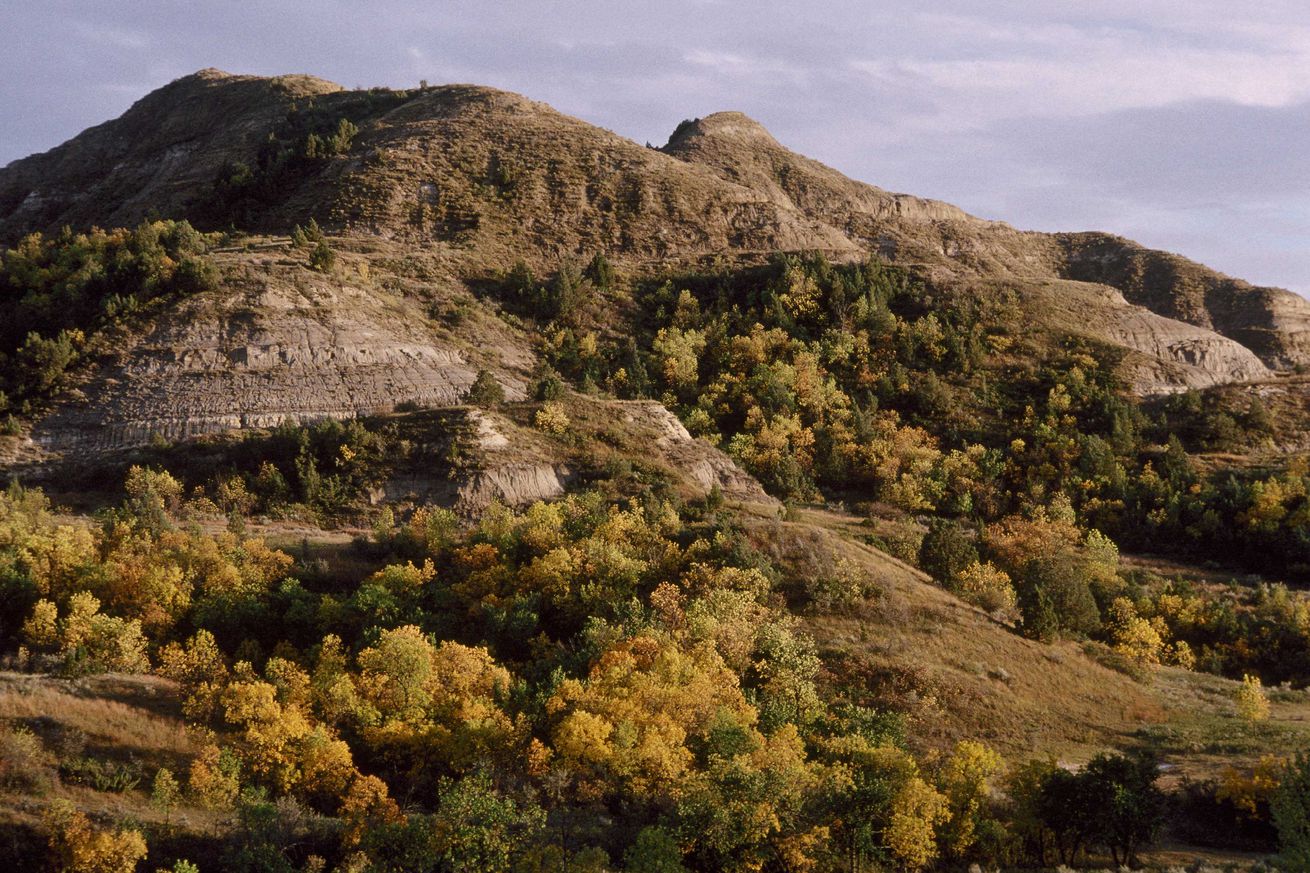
<point x="126" y="714"/>
<point x="962" y="674"/>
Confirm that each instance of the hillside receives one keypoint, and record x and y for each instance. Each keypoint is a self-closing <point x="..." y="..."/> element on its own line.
<point x="484" y="178"/>
<point x="426" y="480"/>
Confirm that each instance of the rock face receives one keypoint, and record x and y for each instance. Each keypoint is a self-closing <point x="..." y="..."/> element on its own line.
<point x="1165" y="355"/>
<point x="704" y="466"/>
<point x="271" y="349"/>
<point x="516" y="465"/>
<point x="511" y="484"/>
<point x="1272" y="322"/>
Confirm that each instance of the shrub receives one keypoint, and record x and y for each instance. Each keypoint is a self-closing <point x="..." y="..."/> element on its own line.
<point x="78" y="847"/>
<point x="1290" y="806"/>
<point x="1055" y="598"/>
<point x="322" y="258"/>
<point x="946" y="551"/>
<point x="24" y="764"/>
<point x="485" y="391"/>
<point x="477" y="828"/>
<point x="988" y="587"/>
<point x="551" y="418"/>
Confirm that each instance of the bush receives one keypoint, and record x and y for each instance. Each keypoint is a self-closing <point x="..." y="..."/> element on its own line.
<point x="322" y="258"/>
<point x="485" y="391"/>
<point x="24" y="764"/>
<point x="946" y="551"/>
<point x="988" y="587"/>
<point x="1290" y="806"/>
<point x="78" y="847"/>
<point x="551" y="418"/>
<point x="1055" y="598"/>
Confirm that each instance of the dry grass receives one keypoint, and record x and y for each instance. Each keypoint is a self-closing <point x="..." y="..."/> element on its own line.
<point x="959" y="672"/>
<point x="1204" y="734"/>
<point x="130" y="716"/>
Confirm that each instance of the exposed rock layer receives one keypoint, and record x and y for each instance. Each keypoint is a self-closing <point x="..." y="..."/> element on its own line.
<point x="258" y="353"/>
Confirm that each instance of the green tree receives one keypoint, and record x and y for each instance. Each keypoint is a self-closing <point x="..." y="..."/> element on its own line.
<point x="654" y="851"/>
<point x="1127" y="807"/>
<point x="165" y="793"/>
<point x="485" y="391"/>
<point x="946" y="551"/>
<point x="477" y="828"/>
<point x="1290" y="807"/>
<point x="1055" y="598"/>
<point x="322" y="258"/>
<point x="599" y="272"/>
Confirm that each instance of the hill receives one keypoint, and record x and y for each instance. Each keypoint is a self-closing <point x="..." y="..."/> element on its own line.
<point x="483" y="178"/>
<point x="428" y="480"/>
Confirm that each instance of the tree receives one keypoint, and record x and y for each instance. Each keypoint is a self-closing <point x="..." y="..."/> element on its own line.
<point x="1290" y="806"/>
<point x="1133" y="636"/>
<point x="654" y="851"/>
<point x="152" y="498"/>
<point x="627" y="726"/>
<point x="165" y="793"/>
<point x="946" y="552"/>
<point x="1252" y="704"/>
<point x="887" y="812"/>
<point x="599" y="272"/>
<point x="477" y="828"/>
<point x="1055" y="598"/>
<point x="214" y="779"/>
<point x="485" y="391"/>
<point x="270" y="729"/>
<point x="1126" y="807"/>
<point x="966" y="781"/>
<point x="322" y="258"/>
<point x="78" y="847"/>
<point x="201" y="669"/>
<point x="396" y="673"/>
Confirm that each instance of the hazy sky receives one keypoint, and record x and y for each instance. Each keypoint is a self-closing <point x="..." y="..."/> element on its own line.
<point x="1180" y="123"/>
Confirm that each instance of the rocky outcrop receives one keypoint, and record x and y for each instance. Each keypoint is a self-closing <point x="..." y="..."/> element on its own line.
<point x="1272" y="322"/>
<point x="702" y="466"/>
<point x="1165" y="355"/>
<point x="512" y="485"/>
<point x="278" y="345"/>
<point x="501" y="461"/>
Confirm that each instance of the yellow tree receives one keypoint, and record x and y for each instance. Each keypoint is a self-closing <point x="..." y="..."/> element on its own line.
<point x="200" y="668"/>
<point x="627" y="724"/>
<point x="78" y="847"/>
<point x="1252" y="704"/>
<point x="269" y="731"/>
<point x="966" y="781"/>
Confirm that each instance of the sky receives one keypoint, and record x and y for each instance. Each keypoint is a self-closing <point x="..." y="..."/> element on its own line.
<point x="1182" y="124"/>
